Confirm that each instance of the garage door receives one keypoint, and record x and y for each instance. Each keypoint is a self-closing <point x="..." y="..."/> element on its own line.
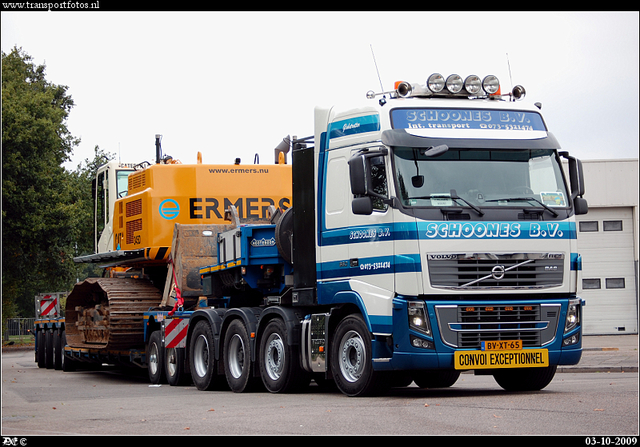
<point x="605" y="241"/>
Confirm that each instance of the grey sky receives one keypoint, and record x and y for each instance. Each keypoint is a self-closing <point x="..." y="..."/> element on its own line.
<point x="233" y="84"/>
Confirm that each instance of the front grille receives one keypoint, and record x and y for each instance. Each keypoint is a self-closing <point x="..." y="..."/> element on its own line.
<point x="498" y="271"/>
<point x="490" y="323"/>
<point x="466" y="326"/>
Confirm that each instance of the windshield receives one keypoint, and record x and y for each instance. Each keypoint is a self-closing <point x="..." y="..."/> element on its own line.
<point x="481" y="177"/>
<point x="123" y="182"/>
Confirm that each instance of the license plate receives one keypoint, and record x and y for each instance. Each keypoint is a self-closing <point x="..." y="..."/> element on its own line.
<point x="496" y="359"/>
<point x="501" y="345"/>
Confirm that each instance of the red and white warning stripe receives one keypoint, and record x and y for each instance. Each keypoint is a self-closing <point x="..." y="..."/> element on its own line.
<point x="48" y="305"/>
<point x="175" y="333"/>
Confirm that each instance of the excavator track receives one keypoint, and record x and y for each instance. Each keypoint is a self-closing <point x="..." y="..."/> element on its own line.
<point x="108" y="313"/>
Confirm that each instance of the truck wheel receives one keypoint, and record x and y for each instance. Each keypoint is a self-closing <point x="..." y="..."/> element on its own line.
<point x="237" y="358"/>
<point x="202" y="360"/>
<point x="435" y="378"/>
<point x="351" y="359"/>
<point x="525" y="379"/>
<point x="280" y="361"/>
<point x="155" y="361"/>
<point x="48" y="356"/>
<point x="174" y="366"/>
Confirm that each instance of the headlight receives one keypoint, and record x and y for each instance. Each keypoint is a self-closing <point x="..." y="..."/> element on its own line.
<point x="490" y="84"/>
<point x="573" y="315"/>
<point x="418" y="319"/>
<point x="473" y="85"/>
<point x="435" y="83"/>
<point x="454" y="83"/>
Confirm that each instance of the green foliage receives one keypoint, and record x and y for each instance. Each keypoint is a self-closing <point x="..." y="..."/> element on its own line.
<point x="46" y="210"/>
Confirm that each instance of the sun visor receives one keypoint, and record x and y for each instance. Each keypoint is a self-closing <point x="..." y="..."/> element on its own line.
<point x="400" y="137"/>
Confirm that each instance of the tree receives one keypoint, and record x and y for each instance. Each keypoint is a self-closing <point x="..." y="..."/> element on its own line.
<point x="42" y="206"/>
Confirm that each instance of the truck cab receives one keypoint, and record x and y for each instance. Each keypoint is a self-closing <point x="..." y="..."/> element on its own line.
<point x="444" y="215"/>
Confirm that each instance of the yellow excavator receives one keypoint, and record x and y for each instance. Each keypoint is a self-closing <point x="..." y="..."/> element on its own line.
<point x="155" y="225"/>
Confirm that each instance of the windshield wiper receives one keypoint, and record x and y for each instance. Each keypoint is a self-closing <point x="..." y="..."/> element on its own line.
<point x="529" y="199"/>
<point x="453" y="196"/>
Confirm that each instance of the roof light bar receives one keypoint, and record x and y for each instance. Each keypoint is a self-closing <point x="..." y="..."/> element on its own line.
<point x="454" y="86"/>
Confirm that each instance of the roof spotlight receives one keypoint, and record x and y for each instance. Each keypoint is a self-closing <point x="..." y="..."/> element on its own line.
<point x="435" y="83"/>
<point x="518" y="92"/>
<point x="454" y="83"/>
<point x="473" y="85"/>
<point x="490" y="84"/>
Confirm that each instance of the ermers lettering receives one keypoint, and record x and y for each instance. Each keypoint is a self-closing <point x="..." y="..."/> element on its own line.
<point x="248" y="208"/>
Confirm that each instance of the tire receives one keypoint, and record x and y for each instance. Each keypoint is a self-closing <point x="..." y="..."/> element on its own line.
<point x="283" y="233"/>
<point x="280" y="368"/>
<point x="48" y="342"/>
<point x="525" y="379"/>
<point x="155" y="359"/>
<point x="202" y="360"/>
<point x="40" y="350"/>
<point x="175" y="366"/>
<point x="67" y="364"/>
<point x="57" y="350"/>
<point x="351" y="359"/>
<point x="237" y="358"/>
<point x="435" y="378"/>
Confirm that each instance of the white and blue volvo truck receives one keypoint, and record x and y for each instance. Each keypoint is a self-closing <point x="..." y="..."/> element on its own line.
<point x="432" y="232"/>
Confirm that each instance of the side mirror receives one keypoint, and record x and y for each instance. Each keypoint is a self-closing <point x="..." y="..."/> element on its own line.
<point x="580" y="206"/>
<point x="362" y="205"/>
<point x="576" y="177"/>
<point x="358" y="175"/>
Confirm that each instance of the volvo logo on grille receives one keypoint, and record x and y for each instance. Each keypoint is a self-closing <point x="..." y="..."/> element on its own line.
<point x="497" y="272"/>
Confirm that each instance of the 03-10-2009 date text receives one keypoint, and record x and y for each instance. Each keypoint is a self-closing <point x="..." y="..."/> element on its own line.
<point x="611" y="440"/>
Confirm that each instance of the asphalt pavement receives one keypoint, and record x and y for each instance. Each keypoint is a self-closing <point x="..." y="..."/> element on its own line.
<point x="606" y="353"/>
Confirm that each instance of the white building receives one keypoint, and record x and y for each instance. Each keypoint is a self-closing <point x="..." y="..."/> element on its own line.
<point x="608" y="243"/>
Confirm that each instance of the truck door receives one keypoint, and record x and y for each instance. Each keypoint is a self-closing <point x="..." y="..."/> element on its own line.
<point x="357" y="250"/>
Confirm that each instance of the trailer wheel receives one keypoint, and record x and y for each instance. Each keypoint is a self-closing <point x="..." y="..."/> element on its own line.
<point x="175" y="367"/>
<point x="48" y="342"/>
<point x="202" y="361"/>
<point x="279" y="360"/>
<point x="57" y="350"/>
<point x="237" y="358"/>
<point x="67" y="364"/>
<point x="435" y="378"/>
<point x="40" y="349"/>
<point x="525" y="379"/>
<point x="351" y="359"/>
<point x="155" y="358"/>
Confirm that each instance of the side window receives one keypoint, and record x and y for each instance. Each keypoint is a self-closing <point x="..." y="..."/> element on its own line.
<point x="100" y="203"/>
<point x="379" y="182"/>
